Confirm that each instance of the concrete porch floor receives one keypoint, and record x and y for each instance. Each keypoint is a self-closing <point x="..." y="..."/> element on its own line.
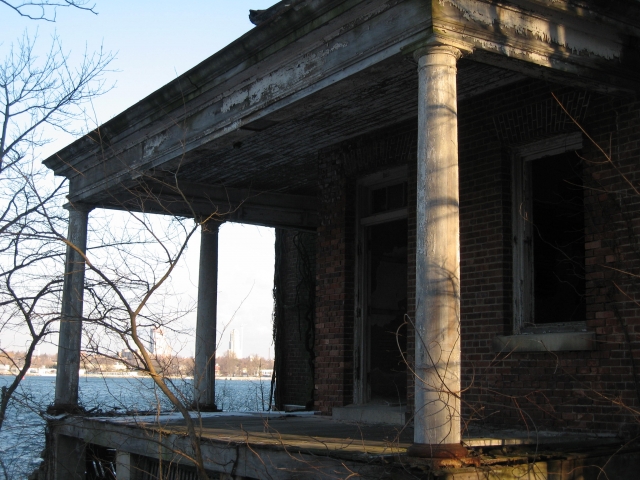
<point x="303" y="445"/>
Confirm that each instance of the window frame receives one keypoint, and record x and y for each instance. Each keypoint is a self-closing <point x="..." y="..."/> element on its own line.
<point x="522" y="233"/>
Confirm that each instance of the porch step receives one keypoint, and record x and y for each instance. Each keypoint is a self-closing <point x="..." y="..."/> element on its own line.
<point x="372" y="414"/>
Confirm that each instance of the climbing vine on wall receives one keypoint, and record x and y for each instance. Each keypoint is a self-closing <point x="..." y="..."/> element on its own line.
<point x="293" y="315"/>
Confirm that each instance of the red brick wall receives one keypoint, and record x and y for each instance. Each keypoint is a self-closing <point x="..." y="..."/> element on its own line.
<point x="485" y="252"/>
<point x="296" y="278"/>
<point x="339" y="169"/>
<point x="334" y="286"/>
<point x="592" y="391"/>
<point x="411" y="280"/>
<point x="608" y="380"/>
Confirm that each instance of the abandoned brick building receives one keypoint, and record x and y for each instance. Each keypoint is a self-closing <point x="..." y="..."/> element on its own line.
<point x="456" y="190"/>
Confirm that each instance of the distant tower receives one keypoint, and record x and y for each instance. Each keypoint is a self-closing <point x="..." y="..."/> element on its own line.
<point x="235" y="343"/>
<point x="241" y="341"/>
<point x="152" y="340"/>
<point x="158" y="344"/>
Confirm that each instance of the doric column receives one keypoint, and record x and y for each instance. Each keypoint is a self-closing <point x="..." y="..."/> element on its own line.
<point x="204" y="377"/>
<point x="437" y="322"/>
<point x="70" y="336"/>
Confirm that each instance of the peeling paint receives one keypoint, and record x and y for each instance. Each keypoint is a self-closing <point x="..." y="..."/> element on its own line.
<point x="236" y="99"/>
<point x="151" y="144"/>
<point x="359" y="21"/>
<point x="513" y="52"/>
<point x="233" y="126"/>
<point x="279" y="80"/>
<point x="527" y="25"/>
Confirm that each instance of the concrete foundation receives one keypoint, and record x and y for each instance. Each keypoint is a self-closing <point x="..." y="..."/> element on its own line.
<point x="69" y="461"/>
<point x="307" y="446"/>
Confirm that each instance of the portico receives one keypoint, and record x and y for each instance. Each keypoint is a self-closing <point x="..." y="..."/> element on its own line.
<point x="327" y="105"/>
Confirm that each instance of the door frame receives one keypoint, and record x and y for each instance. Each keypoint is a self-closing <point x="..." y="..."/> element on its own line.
<point x="361" y="334"/>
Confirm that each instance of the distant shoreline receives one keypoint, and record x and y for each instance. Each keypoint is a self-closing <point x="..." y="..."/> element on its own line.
<point x="265" y="379"/>
<point x="136" y="375"/>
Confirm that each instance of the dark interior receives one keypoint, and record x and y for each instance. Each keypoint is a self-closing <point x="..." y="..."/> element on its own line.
<point x="386" y="310"/>
<point x="558" y="236"/>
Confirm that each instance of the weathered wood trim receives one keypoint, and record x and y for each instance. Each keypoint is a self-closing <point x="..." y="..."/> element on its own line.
<point x="225" y="204"/>
<point x="577" y="41"/>
<point x="523" y="261"/>
<point x="522" y="251"/>
<point x="253" y="460"/>
<point x="354" y="42"/>
<point x="228" y="64"/>
<point x="268" y="72"/>
<point x="233" y="196"/>
<point x="550" y="146"/>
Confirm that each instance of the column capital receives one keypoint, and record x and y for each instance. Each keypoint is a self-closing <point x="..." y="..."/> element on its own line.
<point x="210" y="225"/>
<point x="438" y="43"/>
<point x="78" y="207"/>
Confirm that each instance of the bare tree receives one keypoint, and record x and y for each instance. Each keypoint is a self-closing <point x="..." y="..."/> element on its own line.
<point x="46" y="9"/>
<point x="39" y="96"/>
<point x="36" y="93"/>
<point x="124" y="284"/>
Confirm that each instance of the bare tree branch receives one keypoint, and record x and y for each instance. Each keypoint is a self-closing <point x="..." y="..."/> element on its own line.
<point x="38" y="95"/>
<point x="48" y="92"/>
<point x="47" y="10"/>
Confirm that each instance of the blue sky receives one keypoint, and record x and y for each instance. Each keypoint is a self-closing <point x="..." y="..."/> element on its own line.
<point x="154" y="41"/>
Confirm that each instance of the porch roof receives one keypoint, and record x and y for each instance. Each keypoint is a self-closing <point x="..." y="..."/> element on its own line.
<point x="240" y="132"/>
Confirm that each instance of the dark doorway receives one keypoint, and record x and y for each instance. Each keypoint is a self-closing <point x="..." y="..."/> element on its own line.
<point x="385" y="309"/>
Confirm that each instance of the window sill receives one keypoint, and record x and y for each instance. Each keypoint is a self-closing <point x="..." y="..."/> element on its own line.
<point x="545" y="342"/>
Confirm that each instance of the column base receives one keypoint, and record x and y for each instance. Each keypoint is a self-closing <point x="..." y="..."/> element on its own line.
<point x="440" y="450"/>
<point x="443" y="454"/>
<point x="63" y="409"/>
<point x="204" y="408"/>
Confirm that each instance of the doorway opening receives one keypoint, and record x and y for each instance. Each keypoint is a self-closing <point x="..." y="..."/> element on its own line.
<point x="385" y="310"/>
<point x="380" y="374"/>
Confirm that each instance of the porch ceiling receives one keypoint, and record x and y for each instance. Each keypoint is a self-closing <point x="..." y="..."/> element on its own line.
<point x="252" y="117"/>
<point x="278" y="153"/>
<point x="283" y="156"/>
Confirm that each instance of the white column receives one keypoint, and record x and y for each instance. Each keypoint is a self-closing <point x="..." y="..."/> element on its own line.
<point x="204" y="377"/>
<point x="437" y="390"/>
<point x="69" y="340"/>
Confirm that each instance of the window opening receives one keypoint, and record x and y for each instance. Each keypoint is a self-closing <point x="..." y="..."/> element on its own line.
<point x="558" y="239"/>
<point x="388" y="198"/>
<point x="548" y="234"/>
